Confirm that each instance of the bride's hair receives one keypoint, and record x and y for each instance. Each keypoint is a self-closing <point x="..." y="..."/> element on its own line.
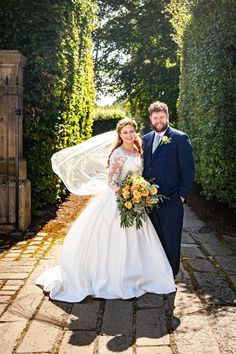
<point x="138" y="141"/>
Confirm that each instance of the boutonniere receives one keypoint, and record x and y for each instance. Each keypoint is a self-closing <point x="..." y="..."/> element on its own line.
<point x="165" y="140"/>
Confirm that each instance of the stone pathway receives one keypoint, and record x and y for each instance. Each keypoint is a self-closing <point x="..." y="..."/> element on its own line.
<point x="203" y="322"/>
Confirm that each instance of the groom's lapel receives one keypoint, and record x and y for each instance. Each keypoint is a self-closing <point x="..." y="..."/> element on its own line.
<point x="149" y="146"/>
<point x="168" y="132"/>
<point x="160" y="146"/>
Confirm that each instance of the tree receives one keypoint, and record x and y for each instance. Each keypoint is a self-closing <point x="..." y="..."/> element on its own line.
<point x="134" y="53"/>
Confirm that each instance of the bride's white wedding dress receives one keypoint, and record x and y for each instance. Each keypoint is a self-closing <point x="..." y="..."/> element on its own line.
<point x="101" y="259"/>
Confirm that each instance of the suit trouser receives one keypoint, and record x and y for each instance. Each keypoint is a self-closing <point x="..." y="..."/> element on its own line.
<point x="168" y="223"/>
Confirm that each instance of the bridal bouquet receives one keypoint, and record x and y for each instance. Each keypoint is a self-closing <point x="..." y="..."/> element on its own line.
<point x="136" y="198"/>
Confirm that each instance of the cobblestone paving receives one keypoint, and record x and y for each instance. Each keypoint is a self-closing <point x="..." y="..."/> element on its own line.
<point x="203" y="321"/>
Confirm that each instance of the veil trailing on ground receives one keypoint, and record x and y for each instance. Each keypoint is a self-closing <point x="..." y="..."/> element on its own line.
<point x="83" y="167"/>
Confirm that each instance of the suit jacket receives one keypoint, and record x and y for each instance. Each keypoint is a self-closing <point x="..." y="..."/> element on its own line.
<point x="172" y="164"/>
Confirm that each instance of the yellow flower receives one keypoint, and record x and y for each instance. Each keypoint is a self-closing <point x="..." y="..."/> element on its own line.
<point x="136" y="200"/>
<point x="128" y="205"/>
<point x="134" y="188"/>
<point x="148" y="200"/>
<point x="136" y="194"/>
<point x="126" y="194"/>
<point x="153" y="191"/>
<point x="145" y="193"/>
<point x="126" y="188"/>
<point x="165" y="140"/>
<point x="144" y="183"/>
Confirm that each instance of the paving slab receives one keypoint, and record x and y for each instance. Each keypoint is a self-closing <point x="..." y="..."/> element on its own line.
<point x="84" y="316"/>
<point x="14" y="268"/>
<point x="23" y="307"/>
<point x="202" y="265"/>
<point x="13" y="275"/>
<point x="3" y="308"/>
<point x="150" y="300"/>
<point x="116" y="327"/>
<point x="114" y="344"/>
<point x="187" y="238"/>
<point x="154" y="350"/>
<point x="231" y="240"/>
<point x="205" y="237"/>
<point x="195" y="336"/>
<point x="233" y="279"/>
<point x="78" y="342"/>
<point x="186" y="299"/>
<point x="11" y="287"/>
<point x="217" y="249"/>
<point x="4" y="298"/>
<point x="44" y="330"/>
<point x="151" y="327"/>
<point x="19" y="262"/>
<point x="214" y="288"/>
<point x="191" y="250"/>
<point x="10" y="332"/>
<point x="7" y="292"/>
<point x="118" y="316"/>
<point x="223" y="322"/>
<point x="15" y="282"/>
<point x="191" y="221"/>
<point x="169" y="303"/>
<point x="228" y="263"/>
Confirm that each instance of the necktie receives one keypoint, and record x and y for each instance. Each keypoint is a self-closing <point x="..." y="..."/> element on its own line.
<point x="156" y="142"/>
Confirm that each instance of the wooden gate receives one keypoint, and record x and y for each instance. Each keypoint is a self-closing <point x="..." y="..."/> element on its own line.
<point x="15" y="201"/>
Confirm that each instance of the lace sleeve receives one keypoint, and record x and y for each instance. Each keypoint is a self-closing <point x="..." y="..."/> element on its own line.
<point x="116" y="163"/>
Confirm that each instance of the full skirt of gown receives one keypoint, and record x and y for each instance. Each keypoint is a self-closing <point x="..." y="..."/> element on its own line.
<point x="101" y="259"/>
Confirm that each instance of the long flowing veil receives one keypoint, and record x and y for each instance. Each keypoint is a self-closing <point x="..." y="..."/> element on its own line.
<point x="82" y="167"/>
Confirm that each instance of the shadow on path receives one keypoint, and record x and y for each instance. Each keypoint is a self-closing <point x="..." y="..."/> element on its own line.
<point x="118" y="323"/>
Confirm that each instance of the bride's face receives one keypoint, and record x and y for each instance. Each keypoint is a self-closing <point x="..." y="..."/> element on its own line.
<point x="128" y="134"/>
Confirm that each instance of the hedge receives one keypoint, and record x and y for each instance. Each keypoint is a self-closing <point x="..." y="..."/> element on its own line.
<point x="106" y="118"/>
<point x="55" y="37"/>
<point x="205" y="33"/>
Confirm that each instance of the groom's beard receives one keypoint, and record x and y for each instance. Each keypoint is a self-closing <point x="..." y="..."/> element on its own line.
<point x="161" y="129"/>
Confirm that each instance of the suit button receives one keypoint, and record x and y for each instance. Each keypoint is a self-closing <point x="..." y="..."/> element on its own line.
<point x="149" y="168"/>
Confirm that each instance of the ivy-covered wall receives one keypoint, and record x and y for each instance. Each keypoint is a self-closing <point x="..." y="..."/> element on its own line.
<point x="206" y="35"/>
<point x="55" y="37"/>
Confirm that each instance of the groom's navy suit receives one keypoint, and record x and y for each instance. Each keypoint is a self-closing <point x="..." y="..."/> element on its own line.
<point x="171" y="166"/>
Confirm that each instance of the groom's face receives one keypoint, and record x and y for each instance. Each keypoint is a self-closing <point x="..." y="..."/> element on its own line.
<point x="159" y="121"/>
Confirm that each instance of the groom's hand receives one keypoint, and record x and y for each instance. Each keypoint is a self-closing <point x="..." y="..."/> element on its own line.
<point x="182" y="199"/>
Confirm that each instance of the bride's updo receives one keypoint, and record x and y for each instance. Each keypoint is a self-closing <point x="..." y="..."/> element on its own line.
<point x="138" y="141"/>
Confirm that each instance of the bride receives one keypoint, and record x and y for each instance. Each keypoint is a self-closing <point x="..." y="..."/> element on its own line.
<point x="99" y="258"/>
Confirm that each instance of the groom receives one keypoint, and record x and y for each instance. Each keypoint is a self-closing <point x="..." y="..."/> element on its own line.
<point x="169" y="162"/>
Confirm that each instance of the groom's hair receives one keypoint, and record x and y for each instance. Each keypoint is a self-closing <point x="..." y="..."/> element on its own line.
<point x="158" y="107"/>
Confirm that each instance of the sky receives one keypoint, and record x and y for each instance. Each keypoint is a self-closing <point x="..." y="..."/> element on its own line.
<point x="105" y="100"/>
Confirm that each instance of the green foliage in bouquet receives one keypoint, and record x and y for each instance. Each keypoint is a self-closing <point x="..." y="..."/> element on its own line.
<point x="136" y="198"/>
